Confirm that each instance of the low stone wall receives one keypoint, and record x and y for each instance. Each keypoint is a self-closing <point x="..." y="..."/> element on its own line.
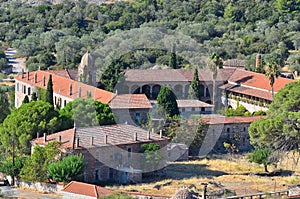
<point x="40" y="186"/>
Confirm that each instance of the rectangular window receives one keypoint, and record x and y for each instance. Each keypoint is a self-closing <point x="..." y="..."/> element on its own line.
<point x="24" y="89"/>
<point x="193" y="108"/>
<point x="137" y="118"/>
<point x="183" y="110"/>
<point x="17" y="87"/>
<point x="29" y="91"/>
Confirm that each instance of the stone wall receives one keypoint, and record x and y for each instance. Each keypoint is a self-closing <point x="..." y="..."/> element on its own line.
<point x="40" y="186"/>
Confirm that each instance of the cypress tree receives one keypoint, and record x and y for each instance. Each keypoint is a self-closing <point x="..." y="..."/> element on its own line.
<point x="166" y="101"/>
<point x="49" y="91"/>
<point x="25" y="100"/>
<point x="33" y="96"/>
<point x="194" y="87"/>
<point x="172" y="61"/>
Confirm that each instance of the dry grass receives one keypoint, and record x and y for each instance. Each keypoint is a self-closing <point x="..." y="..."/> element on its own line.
<point x="230" y="172"/>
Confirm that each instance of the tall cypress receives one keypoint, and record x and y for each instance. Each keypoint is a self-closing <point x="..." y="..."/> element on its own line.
<point x="49" y="91"/>
<point x="166" y="101"/>
<point x="173" y="59"/>
<point x="194" y="92"/>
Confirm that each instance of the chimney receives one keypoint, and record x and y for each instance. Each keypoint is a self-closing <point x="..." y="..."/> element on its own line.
<point x="77" y="142"/>
<point x="22" y="73"/>
<point x="44" y="80"/>
<point x="37" y="135"/>
<point x="71" y="90"/>
<point x="135" y="136"/>
<point x="92" y="141"/>
<point x="59" y="138"/>
<point x="45" y="137"/>
<point x="105" y="139"/>
<point x="160" y="133"/>
<point x="258" y="61"/>
<point x="79" y="91"/>
<point x="27" y="75"/>
<point x="148" y="135"/>
<point x="35" y="77"/>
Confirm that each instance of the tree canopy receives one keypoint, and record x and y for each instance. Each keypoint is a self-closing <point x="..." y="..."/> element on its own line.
<point x="86" y="112"/>
<point x="49" y="91"/>
<point x="194" y="89"/>
<point x="25" y="122"/>
<point x="4" y="106"/>
<point x="166" y="101"/>
<point x="280" y="129"/>
<point x="66" y="169"/>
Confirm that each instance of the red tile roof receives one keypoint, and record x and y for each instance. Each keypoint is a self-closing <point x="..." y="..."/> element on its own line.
<point x="174" y="75"/>
<point x="87" y="189"/>
<point x="66" y="137"/>
<point x="61" y="85"/>
<point x="257" y="80"/>
<point x="248" y="91"/>
<point x="231" y="120"/>
<point x="129" y="101"/>
<point x="71" y="74"/>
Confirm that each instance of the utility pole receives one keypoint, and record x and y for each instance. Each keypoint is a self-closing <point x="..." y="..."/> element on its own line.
<point x="13" y="161"/>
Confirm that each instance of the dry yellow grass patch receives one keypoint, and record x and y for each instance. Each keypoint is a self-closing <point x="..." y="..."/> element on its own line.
<point x="230" y="172"/>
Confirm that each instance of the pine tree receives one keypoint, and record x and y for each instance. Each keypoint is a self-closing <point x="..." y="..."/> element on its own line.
<point x="49" y="91"/>
<point x="194" y="92"/>
<point x="166" y="100"/>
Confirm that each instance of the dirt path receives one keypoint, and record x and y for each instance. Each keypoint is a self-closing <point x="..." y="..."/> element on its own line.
<point x="9" y="192"/>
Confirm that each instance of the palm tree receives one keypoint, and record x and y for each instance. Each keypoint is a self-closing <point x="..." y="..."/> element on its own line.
<point x="272" y="72"/>
<point x="216" y="63"/>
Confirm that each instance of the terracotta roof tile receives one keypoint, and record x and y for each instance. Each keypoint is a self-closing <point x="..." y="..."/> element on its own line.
<point x="248" y="91"/>
<point x="71" y="74"/>
<point x="128" y="101"/>
<point x="231" y="120"/>
<point x="66" y="137"/>
<point x="61" y="85"/>
<point x="174" y="75"/>
<point x="257" y="80"/>
<point x="87" y="189"/>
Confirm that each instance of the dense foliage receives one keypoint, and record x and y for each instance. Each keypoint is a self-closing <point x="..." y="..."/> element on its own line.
<point x="239" y="29"/>
<point x="36" y="166"/>
<point x="166" y="101"/>
<point x="280" y="129"/>
<point x="25" y="122"/>
<point x="194" y="89"/>
<point x="49" y="91"/>
<point x="261" y="156"/>
<point x="66" y="169"/>
<point x="86" y="112"/>
<point x="4" y="106"/>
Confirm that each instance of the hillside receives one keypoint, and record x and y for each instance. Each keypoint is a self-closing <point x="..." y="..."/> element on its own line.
<point x="56" y="35"/>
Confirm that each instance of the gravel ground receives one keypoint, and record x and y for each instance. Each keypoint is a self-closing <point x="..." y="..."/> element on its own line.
<point x="9" y="192"/>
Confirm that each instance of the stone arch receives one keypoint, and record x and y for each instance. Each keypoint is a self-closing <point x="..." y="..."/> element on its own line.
<point x="201" y="90"/>
<point x="146" y="89"/>
<point x="155" y="90"/>
<point x="186" y="90"/>
<point x="135" y="89"/>
<point x="178" y="90"/>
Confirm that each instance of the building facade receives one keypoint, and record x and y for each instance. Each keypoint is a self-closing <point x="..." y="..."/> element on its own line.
<point x="111" y="152"/>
